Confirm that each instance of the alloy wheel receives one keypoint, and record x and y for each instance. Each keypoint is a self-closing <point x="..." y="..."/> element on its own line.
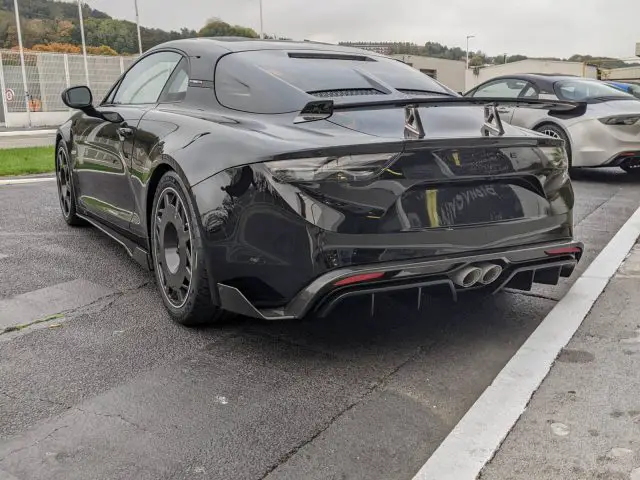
<point x="551" y="133"/>
<point x="173" y="247"/>
<point x="64" y="182"/>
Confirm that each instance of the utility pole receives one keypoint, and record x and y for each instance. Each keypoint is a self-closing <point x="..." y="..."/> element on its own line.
<point x="24" y="70"/>
<point x="468" y="37"/>
<point x="261" y="21"/>
<point x="135" y="2"/>
<point x="84" y="43"/>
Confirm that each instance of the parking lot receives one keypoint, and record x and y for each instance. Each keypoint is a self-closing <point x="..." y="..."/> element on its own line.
<point x="113" y="389"/>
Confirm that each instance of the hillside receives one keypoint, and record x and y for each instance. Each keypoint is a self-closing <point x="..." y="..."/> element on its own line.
<point x="46" y="22"/>
<point x="437" y="50"/>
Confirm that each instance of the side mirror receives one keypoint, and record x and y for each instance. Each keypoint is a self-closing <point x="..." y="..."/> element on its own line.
<point x="81" y="98"/>
<point x="78" y="98"/>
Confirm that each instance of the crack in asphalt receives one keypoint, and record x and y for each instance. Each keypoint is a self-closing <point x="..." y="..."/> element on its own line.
<point x="41" y="399"/>
<point x="33" y="444"/>
<point x="113" y="415"/>
<point x="110" y="300"/>
<point x="374" y="386"/>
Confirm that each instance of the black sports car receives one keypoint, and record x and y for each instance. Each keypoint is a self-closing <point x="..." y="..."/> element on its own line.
<point x="275" y="179"/>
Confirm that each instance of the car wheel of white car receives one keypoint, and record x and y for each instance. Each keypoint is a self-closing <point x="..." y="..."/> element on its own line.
<point x="554" y="131"/>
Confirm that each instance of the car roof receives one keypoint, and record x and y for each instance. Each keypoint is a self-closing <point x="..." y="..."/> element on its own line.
<point x="544" y="80"/>
<point x="216" y="46"/>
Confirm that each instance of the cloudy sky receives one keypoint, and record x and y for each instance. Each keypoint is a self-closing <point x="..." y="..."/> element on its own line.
<point x="531" y="27"/>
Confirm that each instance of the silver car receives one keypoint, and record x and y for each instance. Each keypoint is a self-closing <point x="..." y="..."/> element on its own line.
<point x="608" y="135"/>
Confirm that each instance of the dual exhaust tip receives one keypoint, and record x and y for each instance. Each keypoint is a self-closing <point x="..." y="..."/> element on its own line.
<point x="484" y="274"/>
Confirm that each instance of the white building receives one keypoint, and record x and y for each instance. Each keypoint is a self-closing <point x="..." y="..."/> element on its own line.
<point x="447" y="72"/>
<point x="621" y="74"/>
<point x="476" y="76"/>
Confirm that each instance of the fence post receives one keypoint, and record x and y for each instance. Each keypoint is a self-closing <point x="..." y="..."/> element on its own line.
<point x="66" y="70"/>
<point x="121" y="65"/>
<point x="3" y="91"/>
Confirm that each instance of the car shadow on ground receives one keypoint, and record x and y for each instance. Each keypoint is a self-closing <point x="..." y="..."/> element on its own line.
<point x="397" y="328"/>
<point x="605" y="175"/>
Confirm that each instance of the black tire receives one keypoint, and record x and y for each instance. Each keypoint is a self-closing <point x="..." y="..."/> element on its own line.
<point x="178" y="256"/>
<point x="66" y="192"/>
<point x="554" y="131"/>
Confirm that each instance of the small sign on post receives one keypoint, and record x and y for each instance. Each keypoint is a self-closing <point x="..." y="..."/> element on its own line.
<point x="9" y="95"/>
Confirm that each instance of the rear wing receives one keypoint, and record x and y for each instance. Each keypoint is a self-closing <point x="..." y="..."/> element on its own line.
<point x="324" y="109"/>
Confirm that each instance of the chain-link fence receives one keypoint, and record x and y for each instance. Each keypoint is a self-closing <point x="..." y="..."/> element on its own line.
<point x="48" y="74"/>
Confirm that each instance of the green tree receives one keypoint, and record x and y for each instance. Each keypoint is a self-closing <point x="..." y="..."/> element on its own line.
<point x="218" y="28"/>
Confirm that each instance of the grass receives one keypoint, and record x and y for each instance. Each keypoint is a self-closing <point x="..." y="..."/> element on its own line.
<point x="23" y="161"/>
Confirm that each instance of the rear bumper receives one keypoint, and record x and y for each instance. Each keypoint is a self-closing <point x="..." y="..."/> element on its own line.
<point x="522" y="267"/>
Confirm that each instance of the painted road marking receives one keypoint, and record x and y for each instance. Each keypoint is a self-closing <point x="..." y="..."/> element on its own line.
<point x="40" y="304"/>
<point x="479" y="434"/>
<point x="21" y="181"/>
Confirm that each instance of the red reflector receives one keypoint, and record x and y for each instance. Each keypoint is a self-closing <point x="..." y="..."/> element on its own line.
<point x="563" y="251"/>
<point x="363" y="277"/>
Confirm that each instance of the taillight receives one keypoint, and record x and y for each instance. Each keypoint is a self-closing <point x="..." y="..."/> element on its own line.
<point x="564" y="251"/>
<point x="556" y="156"/>
<point x="621" y="120"/>
<point x="363" y="277"/>
<point x="335" y="168"/>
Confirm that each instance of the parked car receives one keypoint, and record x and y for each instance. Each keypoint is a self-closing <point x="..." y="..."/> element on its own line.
<point x="630" y="88"/>
<point x="276" y="179"/>
<point x="608" y="135"/>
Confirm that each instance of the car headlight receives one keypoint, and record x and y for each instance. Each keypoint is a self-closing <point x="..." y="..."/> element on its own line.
<point x="332" y="168"/>
<point x="620" y="120"/>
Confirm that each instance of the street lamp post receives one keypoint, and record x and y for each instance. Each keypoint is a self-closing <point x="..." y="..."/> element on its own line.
<point x="261" y="21"/>
<point x="468" y="37"/>
<point x="84" y="43"/>
<point x="135" y="2"/>
<point x="24" y="70"/>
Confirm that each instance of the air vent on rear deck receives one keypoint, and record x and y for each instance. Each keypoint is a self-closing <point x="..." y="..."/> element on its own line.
<point x="346" y="92"/>
<point x="407" y="91"/>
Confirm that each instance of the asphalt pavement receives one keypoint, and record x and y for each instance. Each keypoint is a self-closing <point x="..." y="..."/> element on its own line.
<point x="114" y="390"/>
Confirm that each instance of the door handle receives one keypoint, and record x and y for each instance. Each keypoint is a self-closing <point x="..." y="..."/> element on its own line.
<point x="503" y="110"/>
<point x="125" y="132"/>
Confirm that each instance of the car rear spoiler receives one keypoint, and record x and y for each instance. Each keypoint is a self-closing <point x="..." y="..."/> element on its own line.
<point x="324" y="109"/>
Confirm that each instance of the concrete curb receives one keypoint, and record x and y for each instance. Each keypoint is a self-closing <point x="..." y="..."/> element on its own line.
<point x="26" y="179"/>
<point x="27" y="133"/>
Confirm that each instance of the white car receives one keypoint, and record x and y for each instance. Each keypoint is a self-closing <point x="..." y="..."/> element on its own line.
<point x="608" y="135"/>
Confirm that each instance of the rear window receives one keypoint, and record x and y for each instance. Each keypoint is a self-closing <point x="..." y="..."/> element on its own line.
<point x="278" y="81"/>
<point x="584" y="90"/>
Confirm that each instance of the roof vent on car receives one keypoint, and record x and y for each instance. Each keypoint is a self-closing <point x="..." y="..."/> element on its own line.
<point x="346" y="92"/>
<point x="331" y="56"/>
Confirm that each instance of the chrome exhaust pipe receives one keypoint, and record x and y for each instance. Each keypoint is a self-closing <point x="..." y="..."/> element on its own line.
<point x="467" y="277"/>
<point x="490" y="273"/>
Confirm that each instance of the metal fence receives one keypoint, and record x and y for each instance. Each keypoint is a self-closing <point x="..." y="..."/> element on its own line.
<point x="48" y="74"/>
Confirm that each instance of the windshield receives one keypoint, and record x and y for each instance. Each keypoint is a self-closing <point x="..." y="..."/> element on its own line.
<point x="579" y="90"/>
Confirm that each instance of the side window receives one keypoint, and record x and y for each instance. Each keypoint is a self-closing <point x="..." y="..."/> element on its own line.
<point x="146" y="79"/>
<point x="176" y="88"/>
<point x="505" y="88"/>
<point x="530" y="92"/>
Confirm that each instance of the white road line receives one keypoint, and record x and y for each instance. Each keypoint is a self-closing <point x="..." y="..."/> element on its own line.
<point x="479" y="434"/>
<point x="20" y="181"/>
<point x="28" y="133"/>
